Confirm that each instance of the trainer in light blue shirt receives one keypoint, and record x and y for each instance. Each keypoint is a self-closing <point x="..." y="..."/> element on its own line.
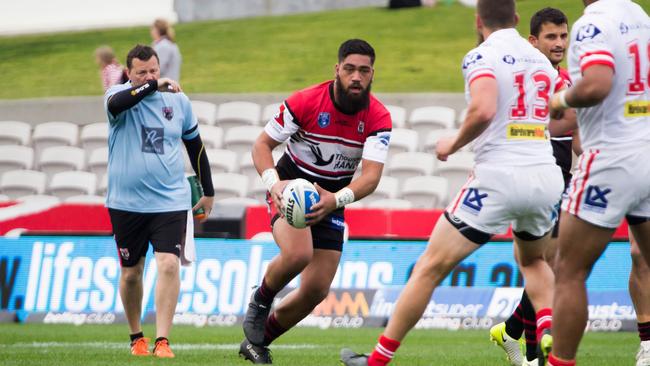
<point x="145" y="163"/>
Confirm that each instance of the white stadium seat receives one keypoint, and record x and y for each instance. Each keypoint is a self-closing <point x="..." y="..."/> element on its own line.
<point x="234" y="114"/>
<point x="15" y="133"/>
<point x="222" y="161"/>
<point x="228" y="185"/>
<point x="205" y="112"/>
<point x="425" y="119"/>
<point x="54" y="134"/>
<point x="4" y="198"/>
<point x="391" y="203"/>
<point x="429" y="142"/>
<point x="257" y="190"/>
<point x="388" y="187"/>
<point x="406" y="165"/>
<point x="58" y="159"/>
<point x="247" y="167"/>
<point x="269" y="111"/>
<point x="240" y="139"/>
<point x="425" y="192"/>
<point x="72" y="183"/>
<point x="239" y="201"/>
<point x="86" y="199"/>
<point x="13" y="157"/>
<point x="39" y="198"/>
<point x="397" y="115"/>
<point x="98" y="161"/>
<point x="94" y="135"/>
<point x="102" y="187"/>
<point x="402" y="140"/>
<point x="456" y="170"/>
<point x="16" y="183"/>
<point x="212" y="136"/>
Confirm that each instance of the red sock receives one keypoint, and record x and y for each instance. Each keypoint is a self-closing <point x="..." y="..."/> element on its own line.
<point x="554" y="361"/>
<point x="384" y="351"/>
<point x="544" y="317"/>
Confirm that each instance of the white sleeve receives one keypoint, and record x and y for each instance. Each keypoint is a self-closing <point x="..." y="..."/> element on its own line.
<point x="476" y="64"/>
<point x="282" y="125"/>
<point x="590" y="44"/>
<point x="376" y="147"/>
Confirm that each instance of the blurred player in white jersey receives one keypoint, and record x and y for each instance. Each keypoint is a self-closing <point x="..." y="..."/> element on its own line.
<point x="515" y="179"/>
<point x="609" y="65"/>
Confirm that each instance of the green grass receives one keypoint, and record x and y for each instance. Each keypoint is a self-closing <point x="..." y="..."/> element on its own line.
<point x="418" y="50"/>
<point x="107" y="345"/>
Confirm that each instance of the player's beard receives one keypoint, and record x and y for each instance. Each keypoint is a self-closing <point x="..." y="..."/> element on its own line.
<point x="349" y="103"/>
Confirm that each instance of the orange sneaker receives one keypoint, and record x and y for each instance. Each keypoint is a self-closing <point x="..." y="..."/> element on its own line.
<point x="140" y="347"/>
<point x="162" y="349"/>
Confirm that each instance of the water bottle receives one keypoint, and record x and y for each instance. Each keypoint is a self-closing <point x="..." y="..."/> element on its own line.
<point x="197" y="193"/>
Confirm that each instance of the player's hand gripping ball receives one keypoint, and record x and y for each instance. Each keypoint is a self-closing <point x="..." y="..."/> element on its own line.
<point x="297" y="199"/>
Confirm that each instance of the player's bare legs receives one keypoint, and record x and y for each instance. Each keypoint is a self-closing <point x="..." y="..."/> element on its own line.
<point x="167" y="289"/>
<point x="446" y="248"/>
<point x="131" y="294"/>
<point x="580" y="246"/>
<point x="296" y="251"/>
<point x="640" y="293"/>
<point x="534" y="267"/>
<point x="315" y="281"/>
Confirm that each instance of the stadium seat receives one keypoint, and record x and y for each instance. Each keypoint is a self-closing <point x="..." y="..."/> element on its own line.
<point x="234" y="114"/>
<point x="356" y="204"/>
<point x="86" y="199"/>
<point x="15" y="133"/>
<point x="212" y="136"/>
<point x="72" y="183"/>
<point x="406" y="165"/>
<point x="402" y="140"/>
<point x="228" y="185"/>
<point x="13" y="157"/>
<point x="456" y="170"/>
<point x="205" y="112"/>
<point x="54" y="134"/>
<point x="98" y="161"/>
<point x="388" y="187"/>
<point x="269" y="111"/>
<point x="257" y="190"/>
<point x="397" y="115"/>
<point x="222" y="161"/>
<point x="425" y="192"/>
<point x="429" y="143"/>
<point x="58" y="159"/>
<point x="40" y="198"/>
<point x="263" y="236"/>
<point x="4" y="198"/>
<point x="94" y="135"/>
<point x="16" y="183"/>
<point x="239" y="201"/>
<point x="102" y="187"/>
<point x="391" y="203"/>
<point x="461" y="117"/>
<point x="240" y="139"/>
<point x="425" y="119"/>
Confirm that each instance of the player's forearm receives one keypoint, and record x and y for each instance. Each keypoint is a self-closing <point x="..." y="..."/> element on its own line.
<point x="262" y="157"/>
<point x="592" y="89"/>
<point x="568" y="123"/>
<point x="126" y="99"/>
<point x="200" y="164"/>
<point x="477" y="120"/>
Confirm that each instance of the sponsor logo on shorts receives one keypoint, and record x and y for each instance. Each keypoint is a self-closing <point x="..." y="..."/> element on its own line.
<point x="323" y="119"/>
<point x="596" y="199"/>
<point x="637" y="109"/>
<point x="124" y="253"/>
<point x="526" y="131"/>
<point x="473" y="201"/>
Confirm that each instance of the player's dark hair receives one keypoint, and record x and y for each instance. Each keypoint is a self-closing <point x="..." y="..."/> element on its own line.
<point x="496" y="14"/>
<point x="356" y="47"/>
<point x="546" y="15"/>
<point x="141" y="52"/>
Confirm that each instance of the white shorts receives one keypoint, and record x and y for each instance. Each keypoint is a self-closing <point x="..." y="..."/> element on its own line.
<point x="609" y="184"/>
<point x="525" y="197"/>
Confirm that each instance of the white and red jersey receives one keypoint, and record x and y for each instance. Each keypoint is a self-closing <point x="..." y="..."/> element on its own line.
<point x="614" y="33"/>
<point x="518" y="134"/>
<point x="325" y="144"/>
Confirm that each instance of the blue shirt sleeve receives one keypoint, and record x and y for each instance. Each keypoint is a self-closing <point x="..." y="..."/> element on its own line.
<point x="190" y="123"/>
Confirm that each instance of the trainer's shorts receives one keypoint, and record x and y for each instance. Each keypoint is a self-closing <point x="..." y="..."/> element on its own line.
<point x="496" y="197"/>
<point x="326" y="234"/>
<point x="609" y="184"/>
<point x="133" y="231"/>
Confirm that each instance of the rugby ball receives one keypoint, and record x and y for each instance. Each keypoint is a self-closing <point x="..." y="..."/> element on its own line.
<point x="297" y="199"/>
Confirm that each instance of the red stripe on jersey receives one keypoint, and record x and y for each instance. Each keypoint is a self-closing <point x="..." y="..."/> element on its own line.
<point x="308" y="136"/>
<point x="596" y="62"/>
<point x="481" y="76"/>
<point x="280" y="118"/>
<point x="606" y="53"/>
<point x="584" y="182"/>
<point x="348" y="173"/>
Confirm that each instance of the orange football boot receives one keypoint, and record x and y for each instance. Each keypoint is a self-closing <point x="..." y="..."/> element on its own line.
<point x="162" y="349"/>
<point x="140" y="347"/>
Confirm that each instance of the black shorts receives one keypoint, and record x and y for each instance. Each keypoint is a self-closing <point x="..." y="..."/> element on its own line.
<point x="326" y="234"/>
<point x="133" y="231"/>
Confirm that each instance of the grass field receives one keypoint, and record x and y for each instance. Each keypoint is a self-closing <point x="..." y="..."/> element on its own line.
<point x="418" y="50"/>
<point x="68" y="345"/>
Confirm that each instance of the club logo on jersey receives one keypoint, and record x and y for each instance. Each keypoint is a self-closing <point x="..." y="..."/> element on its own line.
<point x="360" y="127"/>
<point x="587" y="31"/>
<point x="323" y="119"/>
<point x="596" y="199"/>
<point x="473" y="202"/>
<point x="152" y="140"/>
<point x="124" y="253"/>
<point x="471" y="59"/>
<point x="168" y="113"/>
<point x="623" y="28"/>
<point x="318" y="154"/>
<point x="509" y="59"/>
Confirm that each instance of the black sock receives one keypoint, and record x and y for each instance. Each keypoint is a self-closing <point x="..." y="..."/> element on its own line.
<point x="136" y="336"/>
<point x="264" y="294"/>
<point x="515" y="324"/>
<point x="530" y="327"/>
<point x="272" y="330"/>
<point x="644" y="331"/>
<point x="161" y="338"/>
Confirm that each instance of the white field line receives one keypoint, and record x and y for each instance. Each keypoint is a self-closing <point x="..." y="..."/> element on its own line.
<point x="125" y="345"/>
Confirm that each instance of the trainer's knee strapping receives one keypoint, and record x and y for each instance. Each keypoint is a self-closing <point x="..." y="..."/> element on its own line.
<point x="474" y="235"/>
